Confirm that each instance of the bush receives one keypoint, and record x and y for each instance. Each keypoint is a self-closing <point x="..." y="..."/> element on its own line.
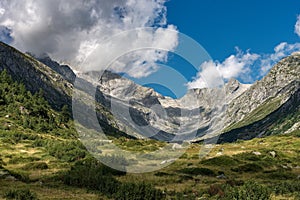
<point x="161" y="174"/>
<point x="215" y="190"/>
<point x="247" y="156"/>
<point x="92" y="174"/>
<point x="2" y="163"/>
<point x="250" y="190"/>
<point x="21" y="159"/>
<point x="20" y="175"/>
<point x="287" y="187"/>
<point x="249" y="167"/>
<point x="37" y="165"/>
<point x="198" y="171"/>
<point x="220" y="161"/>
<point x="184" y="178"/>
<point x="138" y="191"/>
<point x="14" y="137"/>
<point x="68" y="151"/>
<point x="20" y="194"/>
<point x="280" y="175"/>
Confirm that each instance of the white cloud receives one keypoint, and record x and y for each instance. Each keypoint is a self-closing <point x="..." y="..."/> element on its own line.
<point x="2" y="11"/>
<point x="206" y="78"/>
<point x="280" y="51"/>
<point x="234" y="66"/>
<point x="244" y="65"/>
<point x="297" y="26"/>
<point x="69" y="30"/>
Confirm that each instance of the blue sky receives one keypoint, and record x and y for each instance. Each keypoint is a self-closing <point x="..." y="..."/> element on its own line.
<point x="220" y="26"/>
<point x="243" y="38"/>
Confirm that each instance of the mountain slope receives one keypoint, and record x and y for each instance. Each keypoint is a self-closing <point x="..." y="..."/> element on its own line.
<point x="277" y="122"/>
<point x="63" y="70"/>
<point x="35" y="75"/>
<point x="272" y="89"/>
<point x="57" y="91"/>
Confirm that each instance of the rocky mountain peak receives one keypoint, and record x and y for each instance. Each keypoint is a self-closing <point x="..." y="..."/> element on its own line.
<point x="273" y="87"/>
<point x="232" y="85"/>
<point x="233" y="89"/>
<point x="63" y="70"/>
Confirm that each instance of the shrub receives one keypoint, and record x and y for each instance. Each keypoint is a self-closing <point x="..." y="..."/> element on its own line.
<point x="280" y="175"/>
<point x="21" y="159"/>
<point x="233" y="182"/>
<point x="37" y="165"/>
<point x="249" y="167"/>
<point x="184" y="178"/>
<point x="161" y="174"/>
<point x="2" y="163"/>
<point x="220" y="161"/>
<point x="68" y="151"/>
<point x="138" y="191"/>
<point x="20" y="194"/>
<point x="215" y="190"/>
<point x="198" y="171"/>
<point x="247" y="156"/>
<point x="20" y="175"/>
<point x="94" y="175"/>
<point x="287" y="187"/>
<point x="250" y="190"/>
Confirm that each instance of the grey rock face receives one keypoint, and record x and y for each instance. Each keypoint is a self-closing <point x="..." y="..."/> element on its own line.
<point x="273" y="85"/>
<point x="63" y="70"/>
<point x="194" y="115"/>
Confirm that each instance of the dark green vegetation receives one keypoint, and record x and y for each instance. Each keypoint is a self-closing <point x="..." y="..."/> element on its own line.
<point x="21" y="194"/>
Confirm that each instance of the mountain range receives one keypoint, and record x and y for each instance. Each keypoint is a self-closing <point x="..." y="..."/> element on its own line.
<point x="234" y="111"/>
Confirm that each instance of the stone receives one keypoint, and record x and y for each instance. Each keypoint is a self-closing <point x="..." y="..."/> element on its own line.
<point x="176" y="146"/>
<point x="222" y="176"/>
<point x="257" y="153"/>
<point x="273" y="154"/>
<point x="10" y="178"/>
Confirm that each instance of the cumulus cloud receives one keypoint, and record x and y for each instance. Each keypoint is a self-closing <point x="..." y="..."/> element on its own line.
<point x="206" y="78"/>
<point x="245" y="66"/>
<point x="280" y="51"/>
<point x="135" y="51"/>
<point x="70" y="31"/>
<point x="234" y="66"/>
<point x="297" y="26"/>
